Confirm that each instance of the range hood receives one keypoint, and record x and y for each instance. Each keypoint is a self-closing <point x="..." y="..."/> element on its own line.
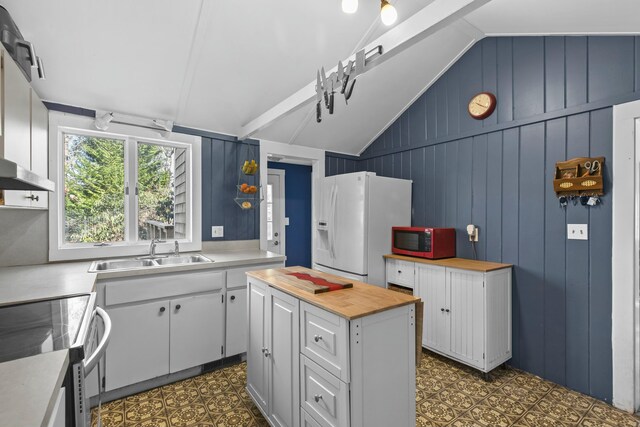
<point x="15" y="177"/>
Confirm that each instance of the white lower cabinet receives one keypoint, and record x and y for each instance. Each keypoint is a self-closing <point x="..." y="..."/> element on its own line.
<point x="193" y="337"/>
<point x="236" y="341"/>
<point x="157" y="330"/>
<point x="309" y="367"/>
<point x="139" y="345"/>
<point x="467" y="314"/>
<point x="272" y="354"/>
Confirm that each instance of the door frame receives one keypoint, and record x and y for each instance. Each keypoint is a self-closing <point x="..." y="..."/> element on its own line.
<point x="283" y="239"/>
<point x="293" y="154"/>
<point x="625" y="299"/>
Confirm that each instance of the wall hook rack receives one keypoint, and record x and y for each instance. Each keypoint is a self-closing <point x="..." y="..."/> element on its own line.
<point x="581" y="176"/>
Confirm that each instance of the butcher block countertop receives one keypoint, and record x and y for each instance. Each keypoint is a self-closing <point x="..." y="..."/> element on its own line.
<point x="461" y="263"/>
<point x="351" y="303"/>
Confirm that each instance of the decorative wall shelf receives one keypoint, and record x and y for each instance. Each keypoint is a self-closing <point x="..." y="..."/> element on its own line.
<point x="581" y="176"/>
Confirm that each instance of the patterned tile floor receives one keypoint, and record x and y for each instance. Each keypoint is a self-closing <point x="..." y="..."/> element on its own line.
<point x="447" y="394"/>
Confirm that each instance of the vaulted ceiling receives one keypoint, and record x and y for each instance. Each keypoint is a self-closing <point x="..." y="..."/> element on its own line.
<point x="223" y="66"/>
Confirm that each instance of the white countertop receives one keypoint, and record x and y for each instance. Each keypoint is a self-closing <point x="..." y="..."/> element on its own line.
<point x="46" y="281"/>
<point x="221" y="259"/>
<point x="28" y="386"/>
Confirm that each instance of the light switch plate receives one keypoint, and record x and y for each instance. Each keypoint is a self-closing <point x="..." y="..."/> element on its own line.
<point x="577" y="232"/>
<point x="217" y="231"/>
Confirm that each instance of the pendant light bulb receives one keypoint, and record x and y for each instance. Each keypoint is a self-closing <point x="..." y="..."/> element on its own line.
<point x="349" y="6"/>
<point x="388" y="13"/>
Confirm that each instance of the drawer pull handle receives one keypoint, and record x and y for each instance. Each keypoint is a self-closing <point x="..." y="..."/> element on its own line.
<point x="317" y="397"/>
<point x="162" y="309"/>
<point x="317" y="338"/>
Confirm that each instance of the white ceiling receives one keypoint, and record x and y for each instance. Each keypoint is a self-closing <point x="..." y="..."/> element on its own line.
<point x="218" y="65"/>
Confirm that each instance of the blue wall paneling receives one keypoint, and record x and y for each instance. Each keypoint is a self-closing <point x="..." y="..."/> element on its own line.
<point x="221" y="163"/>
<point x="554" y="102"/>
<point x="297" y="183"/>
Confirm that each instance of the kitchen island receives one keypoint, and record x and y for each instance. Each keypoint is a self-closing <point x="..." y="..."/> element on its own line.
<point x="340" y="358"/>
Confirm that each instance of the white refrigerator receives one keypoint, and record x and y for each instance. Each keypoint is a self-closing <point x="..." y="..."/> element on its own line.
<point x="356" y="213"/>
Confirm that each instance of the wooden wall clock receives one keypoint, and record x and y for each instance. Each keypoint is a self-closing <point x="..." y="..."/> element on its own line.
<point x="482" y="105"/>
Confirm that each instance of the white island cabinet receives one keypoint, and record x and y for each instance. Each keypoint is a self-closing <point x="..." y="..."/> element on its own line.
<point x="344" y="358"/>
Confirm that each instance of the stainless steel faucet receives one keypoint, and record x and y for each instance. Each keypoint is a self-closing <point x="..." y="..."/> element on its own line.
<point x="152" y="247"/>
<point x="176" y="248"/>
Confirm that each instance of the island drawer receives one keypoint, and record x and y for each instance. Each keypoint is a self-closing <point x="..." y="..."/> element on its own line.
<point x="307" y="420"/>
<point x="144" y="288"/>
<point x="323" y="396"/>
<point x="325" y="339"/>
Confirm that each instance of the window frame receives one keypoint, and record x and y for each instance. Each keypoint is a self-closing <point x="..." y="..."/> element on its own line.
<point x="59" y="250"/>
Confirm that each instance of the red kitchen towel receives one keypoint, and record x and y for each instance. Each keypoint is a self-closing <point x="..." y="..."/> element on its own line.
<point x="317" y="281"/>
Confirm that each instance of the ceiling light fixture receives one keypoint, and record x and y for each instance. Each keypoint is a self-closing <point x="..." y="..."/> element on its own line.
<point x="349" y="6"/>
<point x="388" y="13"/>
<point x="102" y="123"/>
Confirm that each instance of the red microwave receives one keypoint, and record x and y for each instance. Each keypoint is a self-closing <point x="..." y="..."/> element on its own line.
<point x="424" y="242"/>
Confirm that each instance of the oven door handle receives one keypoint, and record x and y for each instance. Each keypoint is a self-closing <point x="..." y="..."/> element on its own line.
<point x="91" y="361"/>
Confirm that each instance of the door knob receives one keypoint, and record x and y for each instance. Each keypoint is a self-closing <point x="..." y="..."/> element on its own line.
<point x="178" y="307"/>
<point x="162" y="309"/>
<point x="233" y="297"/>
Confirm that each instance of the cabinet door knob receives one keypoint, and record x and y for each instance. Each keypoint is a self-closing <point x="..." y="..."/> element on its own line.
<point x="317" y="397"/>
<point x="266" y="353"/>
<point x="400" y="271"/>
<point x="442" y="309"/>
<point x="162" y="309"/>
<point x="447" y="310"/>
<point x="233" y="297"/>
<point x="317" y="338"/>
<point x="178" y="307"/>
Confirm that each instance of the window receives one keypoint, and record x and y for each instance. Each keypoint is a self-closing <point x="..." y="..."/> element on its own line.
<point x="121" y="188"/>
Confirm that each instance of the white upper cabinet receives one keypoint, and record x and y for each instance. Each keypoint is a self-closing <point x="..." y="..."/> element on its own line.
<point x="24" y="131"/>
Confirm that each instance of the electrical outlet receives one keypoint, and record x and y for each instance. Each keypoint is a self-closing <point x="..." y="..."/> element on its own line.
<point x="577" y="232"/>
<point x="217" y="231"/>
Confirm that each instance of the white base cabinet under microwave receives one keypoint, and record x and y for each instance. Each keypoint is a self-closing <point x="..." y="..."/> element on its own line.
<point x="467" y="314"/>
<point x="467" y="306"/>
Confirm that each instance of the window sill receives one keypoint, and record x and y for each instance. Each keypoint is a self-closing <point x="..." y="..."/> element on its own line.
<point x="82" y="252"/>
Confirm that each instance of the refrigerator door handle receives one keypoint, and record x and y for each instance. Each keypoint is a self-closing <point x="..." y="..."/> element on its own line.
<point x="332" y="223"/>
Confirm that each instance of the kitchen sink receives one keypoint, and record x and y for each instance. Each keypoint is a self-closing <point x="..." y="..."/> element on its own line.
<point x="144" y="262"/>
<point x="183" y="259"/>
<point x="121" y="264"/>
